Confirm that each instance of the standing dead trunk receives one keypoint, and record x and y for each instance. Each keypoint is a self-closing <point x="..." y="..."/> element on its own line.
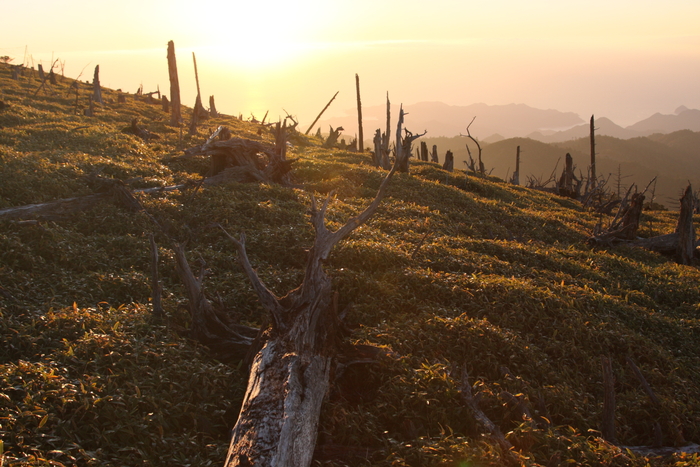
<point x="434" y="155"/>
<point x="685" y="229"/>
<point x="449" y="164"/>
<point x="387" y="134"/>
<point x="360" y="137"/>
<point x="424" y="151"/>
<point x="566" y="181"/>
<point x="289" y="377"/>
<point x="593" y="180"/>
<point x="377" y="156"/>
<point x="516" y="175"/>
<point x="166" y="104"/>
<point x="175" y="116"/>
<point x="97" y="91"/>
<point x="212" y="107"/>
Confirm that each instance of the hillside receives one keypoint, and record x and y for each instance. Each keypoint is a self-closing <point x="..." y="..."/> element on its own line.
<point x="672" y="158"/>
<point x="450" y="276"/>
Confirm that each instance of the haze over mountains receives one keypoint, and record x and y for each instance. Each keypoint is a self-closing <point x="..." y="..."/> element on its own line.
<point x="497" y="122"/>
<point x="663" y="146"/>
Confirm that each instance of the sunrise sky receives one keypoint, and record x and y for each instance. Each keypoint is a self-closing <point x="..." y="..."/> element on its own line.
<point x="620" y="59"/>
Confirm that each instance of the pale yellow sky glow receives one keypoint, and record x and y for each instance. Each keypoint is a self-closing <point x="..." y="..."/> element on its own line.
<point x="617" y="58"/>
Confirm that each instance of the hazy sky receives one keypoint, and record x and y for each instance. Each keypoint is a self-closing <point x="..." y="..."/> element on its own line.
<point x="620" y="59"/>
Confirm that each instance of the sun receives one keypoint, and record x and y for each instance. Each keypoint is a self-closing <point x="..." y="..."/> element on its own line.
<point x="258" y="35"/>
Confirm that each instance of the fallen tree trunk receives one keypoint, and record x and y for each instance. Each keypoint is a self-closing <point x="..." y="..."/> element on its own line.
<point x="290" y="375"/>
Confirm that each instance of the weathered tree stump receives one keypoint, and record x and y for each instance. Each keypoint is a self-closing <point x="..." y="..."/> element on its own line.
<point x="449" y="161"/>
<point x="175" y="116"/>
<point x="97" y="90"/>
<point x="290" y="375"/>
<point x="685" y="228"/>
<point x="434" y="155"/>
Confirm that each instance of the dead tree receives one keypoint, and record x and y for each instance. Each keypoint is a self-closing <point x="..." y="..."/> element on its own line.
<point x="166" y="104"/>
<point x="360" y="137"/>
<point x="434" y="155"/>
<point x="290" y="374"/>
<point x="685" y="229"/>
<point x="175" y="116"/>
<point x="449" y="164"/>
<point x="515" y="179"/>
<point x="569" y="186"/>
<point x="212" y="107"/>
<point x="332" y="139"/>
<point x="424" y="151"/>
<point x="139" y="131"/>
<point x="403" y="145"/>
<point x="321" y="113"/>
<point x="480" y="170"/>
<point x="592" y="179"/>
<point x="377" y="155"/>
<point x="387" y="135"/>
<point x="244" y="160"/>
<point x="97" y="91"/>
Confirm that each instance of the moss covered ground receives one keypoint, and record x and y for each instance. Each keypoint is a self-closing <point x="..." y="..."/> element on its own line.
<point x="453" y="273"/>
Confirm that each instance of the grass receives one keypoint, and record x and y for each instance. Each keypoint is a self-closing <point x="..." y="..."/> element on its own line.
<point x="502" y="285"/>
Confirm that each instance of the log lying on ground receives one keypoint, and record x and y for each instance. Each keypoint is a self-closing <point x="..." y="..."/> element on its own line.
<point x="211" y="327"/>
<point x="290" y="375"/>
<point x="244" y="160"/>
<point x="682" y="243"/>
<point x="140" y="131"/>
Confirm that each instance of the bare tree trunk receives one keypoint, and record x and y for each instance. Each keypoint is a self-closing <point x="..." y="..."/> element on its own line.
<point x="516" y="175"/>
<point x="360" y="138"/>
<point x="434" y="155"/>
<point x="387" y="134"/>
<point x="449" y="161"/>
<point x="97" y="94"/>
<point x="685" y="229"/>
<point x="175" y="116"/>
<point x="424" y="151"/>
<point x="166" y="104"/>
<point x="593" y="180"/>
<point x="321" y="113"/>
<point x="212" y="107"/>
<point x="290" y="375"/>
<point x="377" y="157"/>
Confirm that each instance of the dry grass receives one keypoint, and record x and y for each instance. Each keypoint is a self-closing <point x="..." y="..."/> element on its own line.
<point x="503" y="285"/>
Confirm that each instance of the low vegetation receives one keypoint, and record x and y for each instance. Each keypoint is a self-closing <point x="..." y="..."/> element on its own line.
<point x="452" y="274"/>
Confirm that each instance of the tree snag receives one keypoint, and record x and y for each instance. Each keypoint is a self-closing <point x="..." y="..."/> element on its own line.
<point x="321" y="113"/>
<point x="592" y="180"/>
<point x="290" y="375"/>
<point x="515" y="179"/>
<point x="175" y="116"/>
<point x="685" y="229"/>
<point x="97" y="91"/>
<point x="360" y="138"/>
<point x="480" y="170"/>
<point x="434" y="155"/>
<point x="449" y="161"/>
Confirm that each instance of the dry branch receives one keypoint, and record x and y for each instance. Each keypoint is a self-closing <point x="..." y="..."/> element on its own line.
<point x="321" y="113"/>
<point x="290" y="375"/>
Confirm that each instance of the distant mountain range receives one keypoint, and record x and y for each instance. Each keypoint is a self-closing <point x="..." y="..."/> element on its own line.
<point x="497" y="122"/>
<point x="673" y="158"/>
<point x="440" y="119"/>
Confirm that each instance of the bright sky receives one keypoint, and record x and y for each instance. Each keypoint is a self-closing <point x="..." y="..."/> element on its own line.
<point x="621" y="59"/>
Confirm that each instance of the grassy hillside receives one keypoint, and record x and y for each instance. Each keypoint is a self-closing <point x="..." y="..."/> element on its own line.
<point x="672" y="158"/>
<point x="504" y="287"/>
